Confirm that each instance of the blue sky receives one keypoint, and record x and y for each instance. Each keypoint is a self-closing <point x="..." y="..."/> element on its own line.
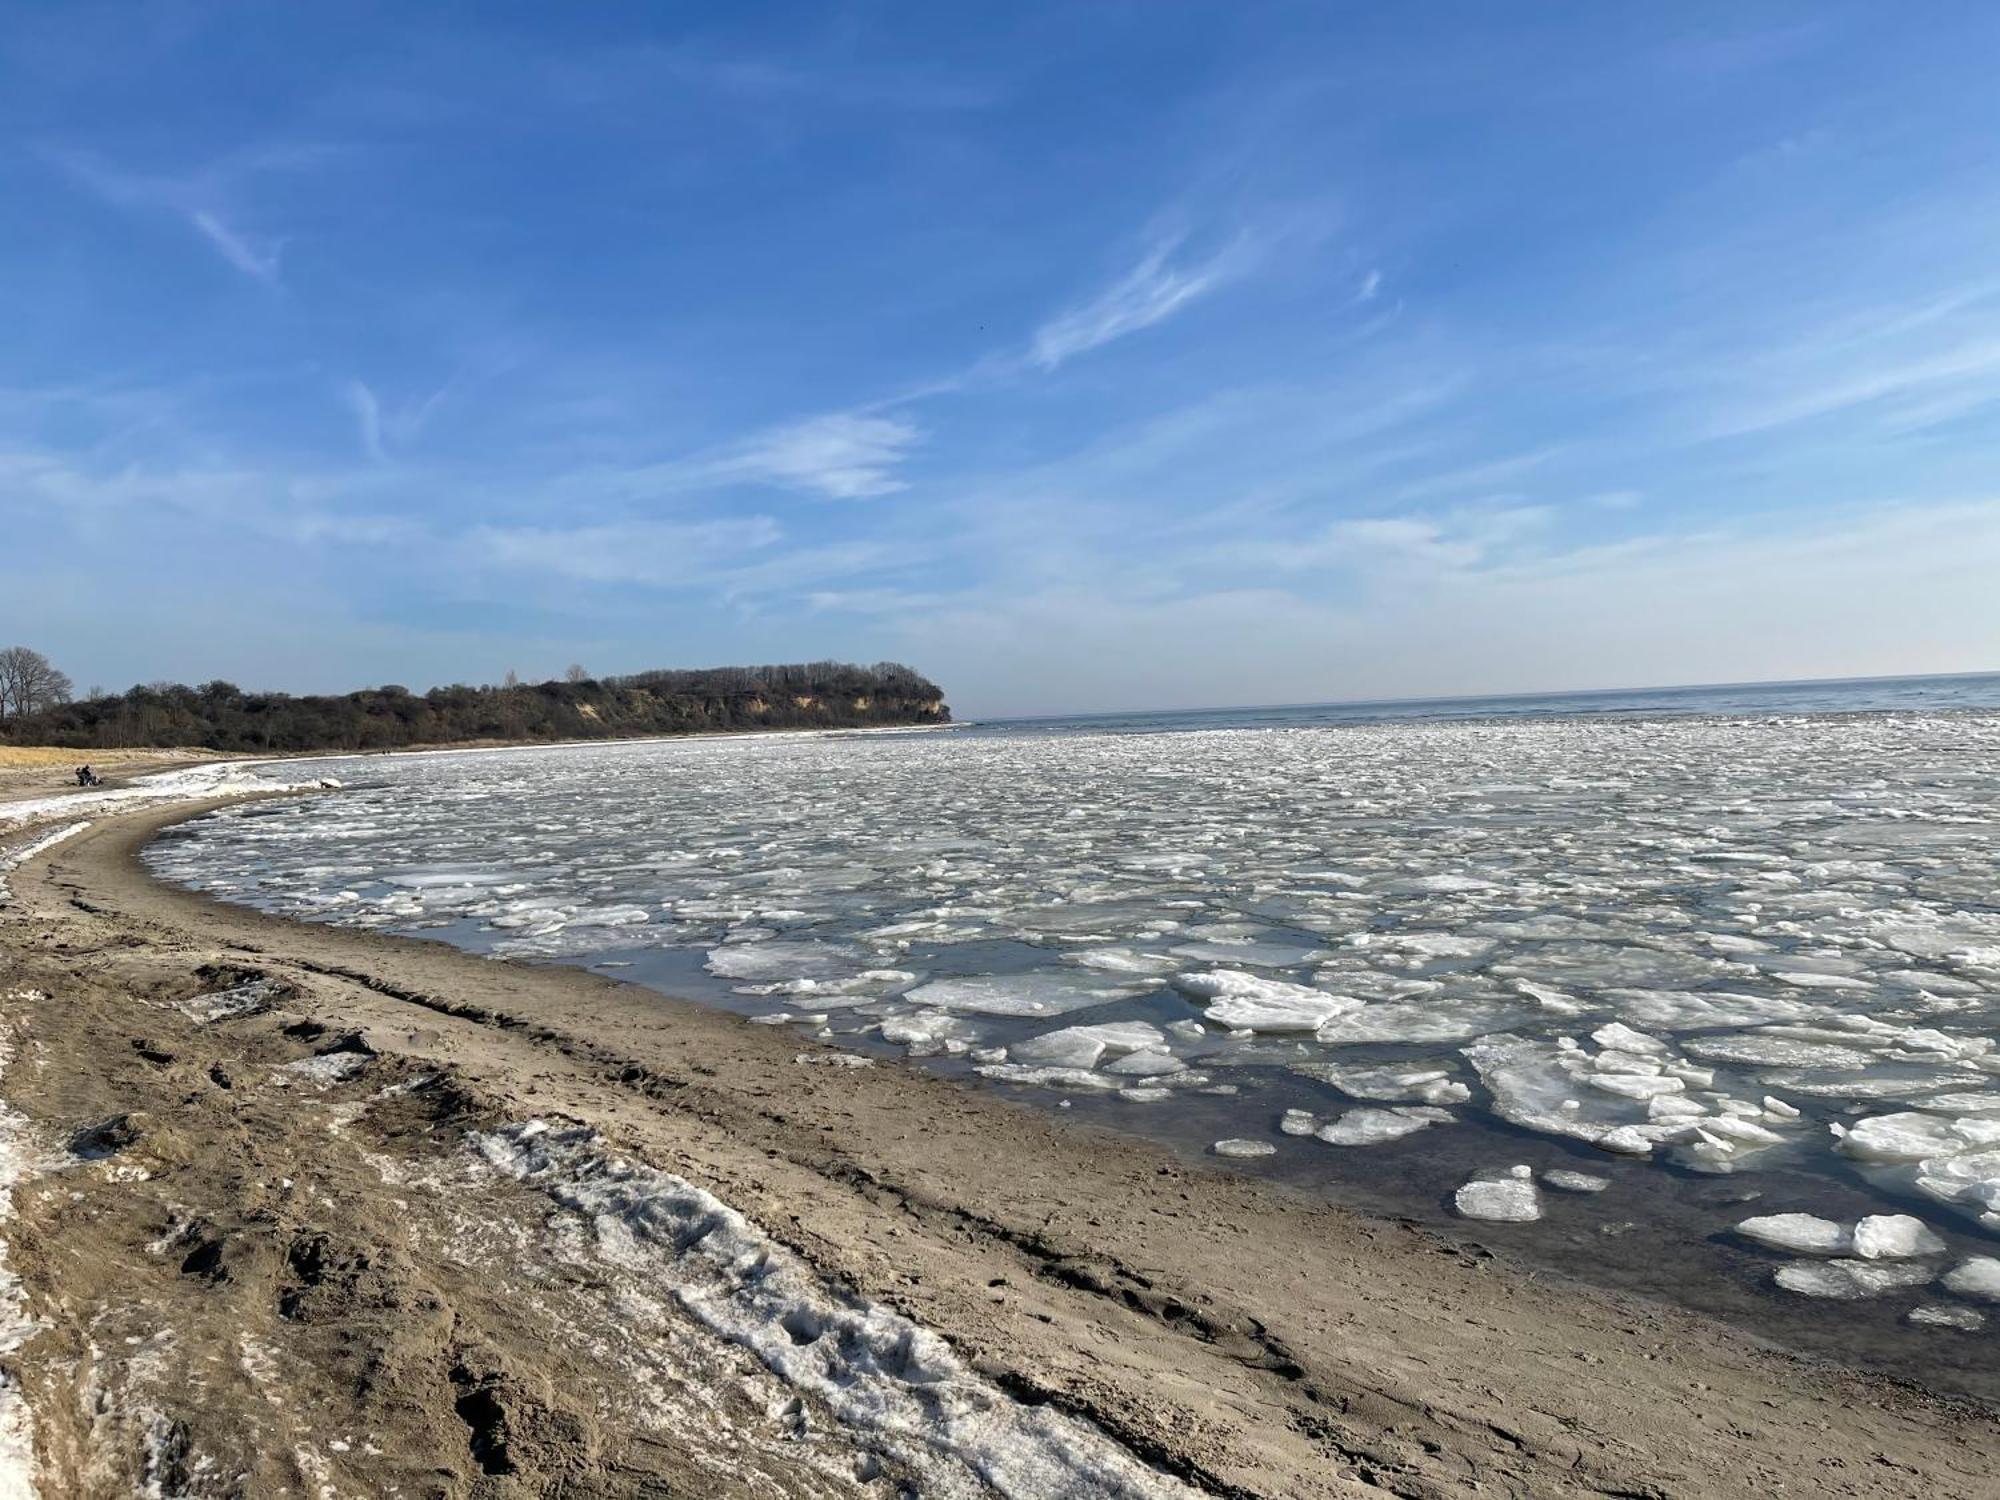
<point x="1086" y="355"/>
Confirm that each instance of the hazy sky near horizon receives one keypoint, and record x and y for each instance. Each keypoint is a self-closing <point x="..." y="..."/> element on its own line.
<point x="1083" y="355"/>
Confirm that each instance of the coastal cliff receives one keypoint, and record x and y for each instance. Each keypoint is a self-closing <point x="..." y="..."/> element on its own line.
<point x="219" y="716"/>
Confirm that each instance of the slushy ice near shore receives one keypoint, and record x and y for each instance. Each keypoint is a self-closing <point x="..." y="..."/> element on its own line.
<point x="1712" y="945"/>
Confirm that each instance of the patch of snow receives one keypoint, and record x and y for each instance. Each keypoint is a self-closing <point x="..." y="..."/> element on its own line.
<point x="13" y="859"/>
<point x="895" y="1385"/>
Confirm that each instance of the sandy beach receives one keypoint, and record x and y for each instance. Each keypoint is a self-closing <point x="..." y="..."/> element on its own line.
<point x="307" y="1211"/>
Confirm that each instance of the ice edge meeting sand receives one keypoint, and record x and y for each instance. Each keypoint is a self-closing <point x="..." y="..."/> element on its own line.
<point x="1707" y="942"/>
<point x="1269" y="1346"/>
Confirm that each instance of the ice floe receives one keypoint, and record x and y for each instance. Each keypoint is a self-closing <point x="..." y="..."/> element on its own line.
<point x="1083" y="1046"/>
<point x="1895" y="1237"/>
<point x="1015" y="994"/>
<point x="1510" y="1198"/>
<point x="1297" y="1122"/>
<point x="1419" y="1082"/>
<point x="1939" y="1315"/>
<point x="1845" y="1280"/>
<point x="1372" y="1127"/>
<point x="1250" y="1002"/>
<point x="1244" y="1147"/>
<point x="1801" y="1234"/>
<point x="1575" y="1182"/>
<point x="1976" y="1276"/>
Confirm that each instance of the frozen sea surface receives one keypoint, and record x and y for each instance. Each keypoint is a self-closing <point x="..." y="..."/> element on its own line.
<point x="1713" y="960"/>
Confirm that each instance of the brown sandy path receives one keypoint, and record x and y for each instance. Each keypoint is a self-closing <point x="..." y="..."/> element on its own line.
<point x="1245" y="1338"/>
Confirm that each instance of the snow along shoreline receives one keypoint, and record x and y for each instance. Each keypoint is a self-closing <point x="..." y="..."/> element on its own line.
<point x="18" y="1163"/>
<point x="183" y="784"/>
<point x="896" y="1386"/>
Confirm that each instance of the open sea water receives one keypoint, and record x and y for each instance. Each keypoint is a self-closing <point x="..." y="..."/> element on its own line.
<point x="1593" y="979"/>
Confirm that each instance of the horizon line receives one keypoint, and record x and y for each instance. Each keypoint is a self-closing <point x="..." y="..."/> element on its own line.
<point x="1596" y="692"/>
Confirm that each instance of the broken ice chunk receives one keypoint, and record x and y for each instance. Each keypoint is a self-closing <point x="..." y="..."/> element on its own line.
<point x="1910" y="1136"/>
<point x="782" y="960"/>
<point x="1151" y="1062"/>
<point x="1575" y="1182"/>
<point x="1031" y="994"/>
<point x="1689" y="1010"/>
<point x="1845" y="1280"/>
<point x="926" y="1033"/>
<point x="1237" y="1146"/>
<point x="1975" y="1276"/>
<point x="1257" y="955"/>
<point x="1372" y="1127"/>
<point x="1634" y="1085"/>
<point x="1422" y="1082"/>
<point x="1082" y="1046"/>
<point x="1619" y="1037"/>
<point x="1297" y="1122"/>
<point x="1123" y="961"/>
<point x="1777" y="1052"/>
<point x="1248" y="1002"/>
<point x="1894" y="1237"/>
<point x="1511" y="1199"/>
<point x="1937" y="1315"/>
<point x="1802" y="1234"/>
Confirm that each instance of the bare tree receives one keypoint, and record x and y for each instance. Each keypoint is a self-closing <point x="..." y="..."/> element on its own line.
<point x="29" y="683"/>
<point x="576" y="672"/>
<point x="511" y="680"/>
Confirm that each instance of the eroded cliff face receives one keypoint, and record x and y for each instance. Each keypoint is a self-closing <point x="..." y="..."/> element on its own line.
<point x="816" y="695"/>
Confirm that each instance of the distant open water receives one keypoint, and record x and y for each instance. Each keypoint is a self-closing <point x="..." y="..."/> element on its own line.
<point x="1832" y="696"/>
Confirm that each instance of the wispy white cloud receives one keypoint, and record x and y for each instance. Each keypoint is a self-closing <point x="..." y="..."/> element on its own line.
<point x="1879" y="588"/>
<point x="1943" y="383"/>
<point x="201" y="200"/>
<point x="367" y="416"/>
<point x="252" y="259"/>
<point x="842" y="456"/>
<point x="659" y="553"/>
<point x="1453" y="541"/>
<point x="1151" y="292"/>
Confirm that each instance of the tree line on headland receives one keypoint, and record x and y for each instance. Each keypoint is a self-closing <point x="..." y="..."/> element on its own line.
<point x="221" y="716"/>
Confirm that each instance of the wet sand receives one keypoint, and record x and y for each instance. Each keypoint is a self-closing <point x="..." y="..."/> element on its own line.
<point x="330" y="1275"/>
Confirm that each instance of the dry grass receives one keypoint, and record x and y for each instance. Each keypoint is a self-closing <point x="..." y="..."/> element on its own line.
<point x="38" y="755"/>
<point x="29" y="766"/>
